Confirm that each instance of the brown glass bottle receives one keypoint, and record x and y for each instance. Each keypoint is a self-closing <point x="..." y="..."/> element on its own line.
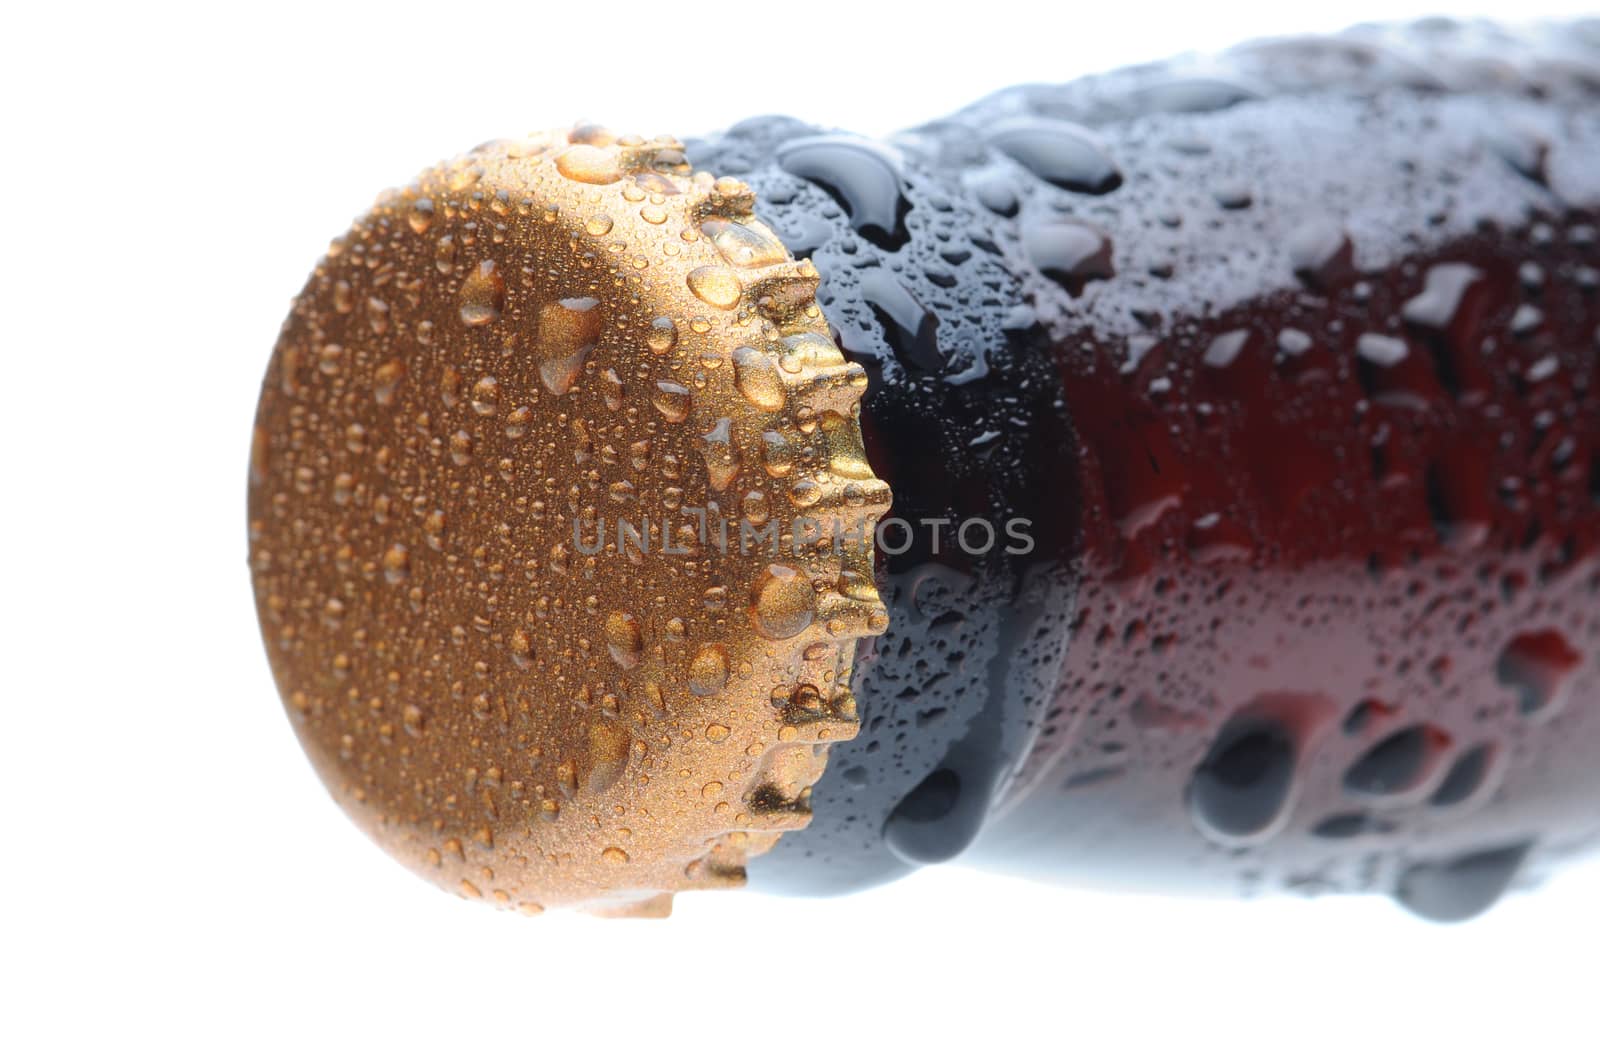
<point x="1242" y="427"/>
<point x="1288" y="371"/>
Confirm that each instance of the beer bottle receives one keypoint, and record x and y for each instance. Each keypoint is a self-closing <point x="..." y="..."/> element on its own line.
<point x="1182" y="479"/>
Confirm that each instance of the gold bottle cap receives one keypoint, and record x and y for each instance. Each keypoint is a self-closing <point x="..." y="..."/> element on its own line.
<point x="535" y="341"/>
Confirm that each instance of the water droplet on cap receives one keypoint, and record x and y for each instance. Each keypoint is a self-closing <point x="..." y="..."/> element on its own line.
<point x="483" y="295"/>
<point x="708" y="672"/>
<point x="757" y="378"/>
<point x="784" y="602"/>
<point x="568" y="331"/>
<point x="717" y="285"/>
<point x="589" y="164"/>
<point x="624" y="639"/>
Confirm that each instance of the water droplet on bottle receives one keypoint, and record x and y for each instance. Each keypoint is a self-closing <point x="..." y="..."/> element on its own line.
<point x="1233" y="195"/>
<point x="1385" y="352"/>
<point x="1458" y="496"/>
<point x="1190" y="95"/>
<point x="942" y="816"/>
<point x="1465" y="777"/>
<point x="1525" y="322"/>
<point x="1537" y="666"/>
<point x="911" y="329"/>
<point x="1462" y="888"/>
<point x="1522" y="149"/>
<point x="1061" y="153"/>
<point x="863" y="178"/>
<point x="1440" y="300"/>
<point x="1243" y="785"/>
<point x="1393" y="766"/>
<point x="1343" y="825"/>
<point x="1069" y="253"/>
<point x="1321" y="253"/>
<point x="997" y="192"/>
<point x="1225" y="349"/>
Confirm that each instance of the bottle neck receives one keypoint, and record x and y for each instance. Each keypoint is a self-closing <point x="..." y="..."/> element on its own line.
<point x="966" y="417"/>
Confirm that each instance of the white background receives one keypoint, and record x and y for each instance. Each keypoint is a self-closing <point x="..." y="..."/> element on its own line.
<point x="176" y="883"/>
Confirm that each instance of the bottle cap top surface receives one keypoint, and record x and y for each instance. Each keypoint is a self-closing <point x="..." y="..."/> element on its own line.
<point x="561" y="525"/>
